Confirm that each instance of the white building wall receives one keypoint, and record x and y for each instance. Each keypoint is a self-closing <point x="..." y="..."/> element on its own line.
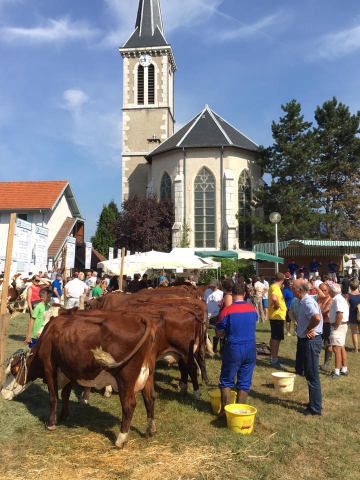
<point x="52" y="220"/>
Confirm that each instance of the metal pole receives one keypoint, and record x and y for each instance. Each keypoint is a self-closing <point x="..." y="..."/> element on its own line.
<point x="276" y="248"/>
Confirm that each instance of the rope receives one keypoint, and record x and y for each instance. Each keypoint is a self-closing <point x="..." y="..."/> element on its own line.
<point x="23" y="354"/>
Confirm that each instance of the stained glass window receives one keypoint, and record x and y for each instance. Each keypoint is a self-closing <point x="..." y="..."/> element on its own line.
<point x="204" y="193"/>
<point x="165" y="186"/>
<point x="244" y="199"/>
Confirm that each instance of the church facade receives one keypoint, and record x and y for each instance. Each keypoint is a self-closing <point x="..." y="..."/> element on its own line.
<point x="208" y="167"/>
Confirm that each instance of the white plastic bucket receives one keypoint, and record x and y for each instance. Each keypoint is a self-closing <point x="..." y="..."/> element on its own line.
<point x="283" y="381"/>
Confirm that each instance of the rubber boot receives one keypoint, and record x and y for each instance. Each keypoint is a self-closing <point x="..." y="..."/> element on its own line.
<point x="225" y="400"/>
<point x="215" y="343"/>
<point x="328" y="357"/>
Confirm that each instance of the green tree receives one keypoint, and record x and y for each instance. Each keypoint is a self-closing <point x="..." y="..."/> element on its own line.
<point x="144" y="224"/>
<point x="291" y="189"/>
<point x="103" y="238"/>
<point x="336" y="170"/>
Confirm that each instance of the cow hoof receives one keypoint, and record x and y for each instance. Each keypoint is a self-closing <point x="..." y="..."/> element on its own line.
<point x="121" y="440"/>
<point x="107" y="395"/>
<point x="84" y="401"/>
<point x="151" y="428"/>
<point x="51" y="427"/>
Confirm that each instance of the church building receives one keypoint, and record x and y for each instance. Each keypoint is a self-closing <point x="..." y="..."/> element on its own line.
<point x="208" y="167"/>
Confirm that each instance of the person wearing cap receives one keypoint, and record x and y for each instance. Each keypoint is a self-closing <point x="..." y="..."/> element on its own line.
<point x="56" y="287"/>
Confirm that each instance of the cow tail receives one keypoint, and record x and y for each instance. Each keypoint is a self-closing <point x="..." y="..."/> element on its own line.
<point x="107" y="361"/>
<point x="209" y="346"/>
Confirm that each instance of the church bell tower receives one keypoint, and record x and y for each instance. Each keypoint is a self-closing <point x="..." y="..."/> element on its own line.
<point x="148" y="96"/>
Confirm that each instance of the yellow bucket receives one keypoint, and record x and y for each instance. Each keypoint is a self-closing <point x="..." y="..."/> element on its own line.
<point x="215" y="400"/>
<point x="283" y="381"/>
<point x="240" y="418"/>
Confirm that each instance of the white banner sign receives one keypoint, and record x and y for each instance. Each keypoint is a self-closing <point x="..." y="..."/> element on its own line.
<point x="23" y="243"/>
<point x="50" y="264"/>
<point x="59" y="263"/>
<point x="41" y="246"/>
<point x="70" y="252"/>
<point x="88" y="250"/>
<point x="111" y="253"/>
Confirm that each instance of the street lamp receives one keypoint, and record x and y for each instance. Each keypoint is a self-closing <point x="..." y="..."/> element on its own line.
<point x="275" y="218"/>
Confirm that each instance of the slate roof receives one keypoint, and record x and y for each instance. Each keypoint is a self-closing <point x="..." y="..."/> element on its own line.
<point x="206" y="130"/>
<point x="149" y="29"/>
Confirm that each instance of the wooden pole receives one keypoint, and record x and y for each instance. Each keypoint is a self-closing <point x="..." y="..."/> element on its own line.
<point x="5" y="317"/>
<point x="121" y="269"/>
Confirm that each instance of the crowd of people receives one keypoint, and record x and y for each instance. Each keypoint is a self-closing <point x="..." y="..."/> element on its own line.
<point x="319" y="309"/>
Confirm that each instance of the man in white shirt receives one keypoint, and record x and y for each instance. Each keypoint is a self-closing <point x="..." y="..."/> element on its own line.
<point x="212" y="297"/>
<point x="265" y="300"/>
<point x="73" y="291"/>
<point x="260" y="291"/>
<point x="339" y="319"/>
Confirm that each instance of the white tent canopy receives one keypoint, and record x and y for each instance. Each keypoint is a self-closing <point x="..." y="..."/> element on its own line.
<point x="178" y="260"/>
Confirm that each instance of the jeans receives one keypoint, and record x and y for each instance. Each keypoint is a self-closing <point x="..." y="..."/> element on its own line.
<point x="310" y="349"/>
<point x="299" y="362"/>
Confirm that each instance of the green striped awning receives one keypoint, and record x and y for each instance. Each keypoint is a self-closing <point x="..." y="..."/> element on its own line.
<point x="310" y="247"/>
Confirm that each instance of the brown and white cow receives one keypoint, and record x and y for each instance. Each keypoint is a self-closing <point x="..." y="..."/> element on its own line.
<point x="64" y="354"/>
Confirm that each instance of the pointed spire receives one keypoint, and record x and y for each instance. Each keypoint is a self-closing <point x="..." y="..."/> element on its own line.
<point x="149" y="28"/>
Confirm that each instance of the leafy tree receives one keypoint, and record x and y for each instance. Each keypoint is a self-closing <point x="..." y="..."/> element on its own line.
<point x="337" y="174"/>
<point x="103" y="238"/>
<point x="144" y="224"/>
<point x="291" y="190"/>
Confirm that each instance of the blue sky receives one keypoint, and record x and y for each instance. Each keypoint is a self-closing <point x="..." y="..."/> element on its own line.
<point x="61" y="77"/>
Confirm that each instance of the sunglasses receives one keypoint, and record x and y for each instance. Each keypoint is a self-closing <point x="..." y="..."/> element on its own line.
<point x="37" y="281"/>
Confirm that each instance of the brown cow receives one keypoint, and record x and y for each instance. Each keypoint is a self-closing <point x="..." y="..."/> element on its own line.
<point x="183" y="334"/>
<point x="116" y="299"/>
<point x="56" y="359"/>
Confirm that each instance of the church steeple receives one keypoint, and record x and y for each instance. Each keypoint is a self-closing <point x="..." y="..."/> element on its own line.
<point x="148" y="96"/>
<point x="149" y="29"/>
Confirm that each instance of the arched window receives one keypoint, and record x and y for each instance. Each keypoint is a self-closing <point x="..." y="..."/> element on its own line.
<point x="140" y="93"/>
<point x="204" y="193"/>
<point x="165" y="186"/>
<point x="244" y="199"/>
<point x="151" y="84"/>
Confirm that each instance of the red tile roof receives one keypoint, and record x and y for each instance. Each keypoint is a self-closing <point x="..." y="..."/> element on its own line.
<point x="30" y="195"/>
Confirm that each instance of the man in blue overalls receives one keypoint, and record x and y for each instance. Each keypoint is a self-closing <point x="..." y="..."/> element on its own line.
<point x="238" y="323"/>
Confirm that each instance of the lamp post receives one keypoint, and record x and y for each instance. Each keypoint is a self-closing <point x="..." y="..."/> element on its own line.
<point x="275" y="218"/>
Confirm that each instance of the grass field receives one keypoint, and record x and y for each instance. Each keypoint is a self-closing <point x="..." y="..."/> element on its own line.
<point x="190" y="442"/>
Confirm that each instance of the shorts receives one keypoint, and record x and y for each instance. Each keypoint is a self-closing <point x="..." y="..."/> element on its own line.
<point x="55" y="300"/>
<point x="288" y="319"/>
<point x="277" y="329"/>
<point x="338" y="336"/>
<point x="238" y="361"/>
<point x="326" y="334"/>
<point x="265" y="303"/>
<point x="33" y="342"/>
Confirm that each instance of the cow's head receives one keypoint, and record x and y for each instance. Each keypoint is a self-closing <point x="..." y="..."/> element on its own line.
<point x="16" y="375"/>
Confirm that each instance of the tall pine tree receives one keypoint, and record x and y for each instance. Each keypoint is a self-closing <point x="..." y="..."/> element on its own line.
<point x="291" y="189"/>
<point x="104" y="238"/>
<point x="337" y="170"/>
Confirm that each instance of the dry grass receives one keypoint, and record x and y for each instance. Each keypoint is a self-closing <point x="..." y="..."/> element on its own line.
<point x="190" y="443"/>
